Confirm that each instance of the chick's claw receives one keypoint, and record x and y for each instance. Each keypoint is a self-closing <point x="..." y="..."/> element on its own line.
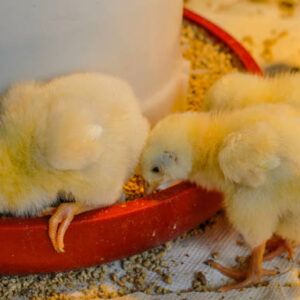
<point x="251" y="276"/>
<point x="232" y="273"/>
<point x="247" y="279"/>
<point x="60" y="221"/>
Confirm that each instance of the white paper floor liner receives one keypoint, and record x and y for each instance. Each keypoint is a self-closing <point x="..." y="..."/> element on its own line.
<point x="188" y="256"/>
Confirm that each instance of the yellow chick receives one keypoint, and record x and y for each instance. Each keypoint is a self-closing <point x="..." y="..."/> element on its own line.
<point x="251" y="155"/>
<point x="238" y="90"/>
<point x="80" y="134"/>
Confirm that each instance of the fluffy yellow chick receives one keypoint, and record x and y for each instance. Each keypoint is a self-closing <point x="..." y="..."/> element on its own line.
<point x="251" y="155"/>
<point x="238" y="90"/>
<point x="81" y="134"/>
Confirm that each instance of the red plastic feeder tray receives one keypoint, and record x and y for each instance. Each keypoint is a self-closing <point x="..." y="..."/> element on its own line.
<point x="121" y="230"/>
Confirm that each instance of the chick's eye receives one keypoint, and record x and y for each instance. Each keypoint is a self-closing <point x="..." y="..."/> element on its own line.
<point x="155" y="170"/>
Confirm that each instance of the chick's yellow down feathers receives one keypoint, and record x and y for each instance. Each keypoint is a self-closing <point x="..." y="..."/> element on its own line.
<point x="251" y="155"/>
<point x="81" y="134"/>
<point x="239" y="90"/>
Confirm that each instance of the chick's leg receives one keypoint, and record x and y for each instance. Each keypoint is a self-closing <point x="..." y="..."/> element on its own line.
<point x="278" y="246"/>
<point x="61" y="217"/>
<point x="249" y="277"/>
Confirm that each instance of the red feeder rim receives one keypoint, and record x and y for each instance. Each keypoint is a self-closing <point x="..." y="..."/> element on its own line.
<point x="244" y="56"/>
<point x="118" y="231"/>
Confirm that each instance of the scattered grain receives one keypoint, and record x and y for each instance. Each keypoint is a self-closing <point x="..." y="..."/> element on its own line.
<point x="200" y="277"/>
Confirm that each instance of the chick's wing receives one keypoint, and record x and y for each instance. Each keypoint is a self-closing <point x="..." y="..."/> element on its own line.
<point x="73" y="139"/>
<point x="248" y="155"/>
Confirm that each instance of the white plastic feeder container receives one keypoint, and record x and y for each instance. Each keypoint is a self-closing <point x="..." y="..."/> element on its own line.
<point x="137" y="40"/>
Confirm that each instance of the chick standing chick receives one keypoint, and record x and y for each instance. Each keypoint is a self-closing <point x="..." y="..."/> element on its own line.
<point x="239" y="90"/>
<point x="81" y="134"/>
<point x="251" y="155"/>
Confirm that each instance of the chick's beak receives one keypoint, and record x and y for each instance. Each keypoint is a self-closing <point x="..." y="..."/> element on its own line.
<point x="150" y="188"/>
<point x="160" y="185"/>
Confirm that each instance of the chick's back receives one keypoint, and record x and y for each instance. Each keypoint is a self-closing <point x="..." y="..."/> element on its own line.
<point x="239" y="90"/>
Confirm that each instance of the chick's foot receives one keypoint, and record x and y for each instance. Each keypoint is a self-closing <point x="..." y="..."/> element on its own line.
<point x="248" y="277"/>
<point x="277" y="246"/>
<point x="61" y="217"/>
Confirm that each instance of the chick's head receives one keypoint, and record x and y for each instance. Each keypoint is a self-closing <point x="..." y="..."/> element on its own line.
<point x="167" y="155"/>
